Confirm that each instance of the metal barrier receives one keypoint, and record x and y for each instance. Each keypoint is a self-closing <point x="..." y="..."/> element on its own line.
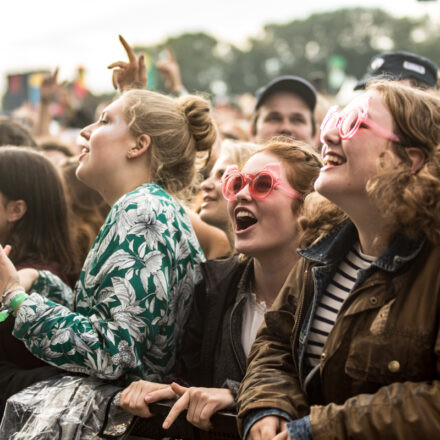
<point x="224" y="426"/>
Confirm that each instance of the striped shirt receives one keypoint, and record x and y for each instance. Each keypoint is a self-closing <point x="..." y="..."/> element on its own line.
<point x="332" y="299"/>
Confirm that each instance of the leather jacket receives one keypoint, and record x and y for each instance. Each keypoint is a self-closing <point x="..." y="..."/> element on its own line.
<point x="379" y="372"/>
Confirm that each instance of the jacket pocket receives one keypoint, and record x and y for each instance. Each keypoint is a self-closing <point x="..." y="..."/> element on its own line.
<point x="388" y="358"/>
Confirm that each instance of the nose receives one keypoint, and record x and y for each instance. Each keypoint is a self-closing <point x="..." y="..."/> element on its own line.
<point x="207" y="184"/>
<point x="86" y="132"/>
<point x="331" y="136"/>
<point x="285" y="128"/>
<point x="244" y="194"/>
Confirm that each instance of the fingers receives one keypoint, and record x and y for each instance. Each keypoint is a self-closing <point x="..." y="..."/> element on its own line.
<point x="178" y="389"/>
<point x="7" y="249"/>
<point x="165" y="393"/>
<point x="178" y="407"/>
<point x="130" y="52"/>
<point x="264" y="429"/>
<point x="142" y="69"/>
<point x="120" y="64"/>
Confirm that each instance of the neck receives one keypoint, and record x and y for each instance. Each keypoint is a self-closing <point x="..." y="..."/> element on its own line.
<point x="371" y="227"/>
<point x="271" y="273"/>
<point x="115" y="189"/>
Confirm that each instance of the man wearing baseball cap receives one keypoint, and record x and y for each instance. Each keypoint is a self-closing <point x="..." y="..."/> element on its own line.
<point x="285" y="106"/>
<point x="409" y="68"/>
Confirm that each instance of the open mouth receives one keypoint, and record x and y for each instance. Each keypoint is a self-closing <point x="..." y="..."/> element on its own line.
<point x="332" y="159"/>
<point x="244" y="219"/>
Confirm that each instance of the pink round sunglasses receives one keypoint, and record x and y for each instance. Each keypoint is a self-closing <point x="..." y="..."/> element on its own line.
<point x="349" y="120"/>
<point x="261" y="184"/>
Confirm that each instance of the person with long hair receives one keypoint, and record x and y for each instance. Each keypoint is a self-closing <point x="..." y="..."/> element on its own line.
<point x="34" y="221"/>
<point x="265" y="199"/>
<point x="350" y="349"/>
<point x="135" y="288"/>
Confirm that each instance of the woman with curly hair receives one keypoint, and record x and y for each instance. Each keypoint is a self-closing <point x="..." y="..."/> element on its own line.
<point x="351" y="348"/>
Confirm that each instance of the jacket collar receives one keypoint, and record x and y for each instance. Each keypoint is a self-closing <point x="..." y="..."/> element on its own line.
<point x="335" y="245"/>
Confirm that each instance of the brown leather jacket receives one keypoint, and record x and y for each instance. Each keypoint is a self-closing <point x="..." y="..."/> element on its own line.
<point x="379" y="372"/>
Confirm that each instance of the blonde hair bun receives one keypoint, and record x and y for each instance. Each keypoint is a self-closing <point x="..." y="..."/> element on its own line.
<point x="201" y="125"/>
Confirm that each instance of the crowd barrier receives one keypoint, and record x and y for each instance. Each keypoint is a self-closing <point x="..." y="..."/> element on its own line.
<point x="224" y="426"/>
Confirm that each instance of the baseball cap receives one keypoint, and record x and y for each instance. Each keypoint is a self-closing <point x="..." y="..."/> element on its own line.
<point x="288" y="83"/>
<point x="400" y="65"/>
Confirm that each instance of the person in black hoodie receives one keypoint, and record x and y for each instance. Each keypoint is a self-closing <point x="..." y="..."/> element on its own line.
<point x="264" y="202"/>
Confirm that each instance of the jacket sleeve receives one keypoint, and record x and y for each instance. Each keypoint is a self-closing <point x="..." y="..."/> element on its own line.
<point x="54" y="288"/>
<point x="271" y="380"/>
<point x="401" y="411"/>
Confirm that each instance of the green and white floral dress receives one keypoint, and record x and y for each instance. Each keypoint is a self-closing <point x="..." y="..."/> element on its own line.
<point x="125" y="316"/>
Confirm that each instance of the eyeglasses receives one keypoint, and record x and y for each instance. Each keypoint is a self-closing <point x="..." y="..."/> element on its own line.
<point x="349" y="120"/>
<point x="261" y="184"/>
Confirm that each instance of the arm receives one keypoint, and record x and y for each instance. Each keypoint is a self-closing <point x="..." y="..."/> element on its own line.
<point x="52" y="288"/>
<point x="401" y="411"/>
<point x="48" y="90"/>
<point x="213" y="241"/>
<point x="126" y="317"/>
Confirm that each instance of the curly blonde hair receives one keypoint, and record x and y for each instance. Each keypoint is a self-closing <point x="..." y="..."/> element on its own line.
<point x="181" y="129"/>
<point x="409" y="201"/>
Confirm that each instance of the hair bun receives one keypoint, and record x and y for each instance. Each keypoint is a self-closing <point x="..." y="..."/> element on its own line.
<point x="198" y="114"/>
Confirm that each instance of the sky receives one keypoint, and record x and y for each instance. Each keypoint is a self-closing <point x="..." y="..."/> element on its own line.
<point x="47" y="33"/>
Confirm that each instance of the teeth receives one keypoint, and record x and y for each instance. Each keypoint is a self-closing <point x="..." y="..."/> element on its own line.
<point x="332" y="159"/>
<point x="241" y="214"/>
<point x="84" y="150"/>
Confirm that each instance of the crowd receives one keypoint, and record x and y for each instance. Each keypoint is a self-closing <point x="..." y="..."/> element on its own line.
<point x="282" y="266"/>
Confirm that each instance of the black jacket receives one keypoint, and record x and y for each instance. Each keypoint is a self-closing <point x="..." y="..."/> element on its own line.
<point x="211" y="353"/>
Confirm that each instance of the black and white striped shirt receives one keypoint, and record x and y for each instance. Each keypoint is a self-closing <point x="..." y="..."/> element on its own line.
<point x="331" y="301"/>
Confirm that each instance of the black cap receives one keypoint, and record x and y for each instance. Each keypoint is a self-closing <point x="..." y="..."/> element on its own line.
<point x="288" y="83"/>
<point x="400" y="65"/>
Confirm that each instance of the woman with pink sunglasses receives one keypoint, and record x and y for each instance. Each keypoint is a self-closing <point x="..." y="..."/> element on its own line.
<point x="265" y="200"/>
<point x="351" y="348"/>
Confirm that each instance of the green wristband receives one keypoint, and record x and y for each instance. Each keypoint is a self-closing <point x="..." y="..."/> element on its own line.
<point x="17" y="300"/>
<point x="4" y="315"/>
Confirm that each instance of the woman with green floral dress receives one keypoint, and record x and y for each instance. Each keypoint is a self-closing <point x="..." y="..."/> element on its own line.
<point x="123" y="318"/>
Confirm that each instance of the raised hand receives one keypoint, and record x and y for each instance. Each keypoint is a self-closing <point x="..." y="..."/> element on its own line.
<point x="170" y="71"/>
<point x="131" y="75"/>
<point x="49" y="87"/>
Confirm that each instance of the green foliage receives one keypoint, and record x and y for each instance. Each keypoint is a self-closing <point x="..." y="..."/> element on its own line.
<point x="299" y="47"/>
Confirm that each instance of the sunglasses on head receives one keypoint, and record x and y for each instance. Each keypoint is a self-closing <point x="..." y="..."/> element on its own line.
<point x="261" y="184"/>
<point x="350" y="119"/>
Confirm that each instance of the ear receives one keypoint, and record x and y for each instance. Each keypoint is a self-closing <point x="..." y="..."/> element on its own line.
<point x="142" y="144"/>
<point x="15" y="210"/>
<point x="417" y="157"/>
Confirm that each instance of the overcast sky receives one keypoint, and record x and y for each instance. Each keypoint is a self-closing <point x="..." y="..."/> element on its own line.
<point x="47" y="33"/>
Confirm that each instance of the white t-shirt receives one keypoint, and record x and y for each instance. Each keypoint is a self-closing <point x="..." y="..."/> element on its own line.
<point x="253" y="316"/>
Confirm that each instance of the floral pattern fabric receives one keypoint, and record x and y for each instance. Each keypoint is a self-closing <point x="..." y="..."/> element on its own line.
<point x="125" y="316"/>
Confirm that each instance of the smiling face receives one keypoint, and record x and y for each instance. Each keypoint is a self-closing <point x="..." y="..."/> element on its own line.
<point x="104" y="148"/>
<point x="267" y="226"/>
<point x="284" y="113"/>
<point x="350" y="163"/>
<point x="214" y="207"/>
